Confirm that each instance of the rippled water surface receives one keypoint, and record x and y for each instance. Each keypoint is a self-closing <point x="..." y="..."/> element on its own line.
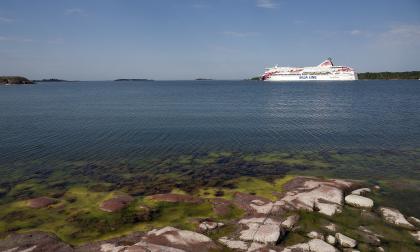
<point x="108" y="120"/>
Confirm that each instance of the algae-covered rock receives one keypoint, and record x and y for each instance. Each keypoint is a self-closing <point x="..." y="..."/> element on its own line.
<point x="34" y="241"/>
<point x="172" y="197"/>
<point x="41" y="202"/>
<point x="221" y="207"/>
<point x="115" y="204"/>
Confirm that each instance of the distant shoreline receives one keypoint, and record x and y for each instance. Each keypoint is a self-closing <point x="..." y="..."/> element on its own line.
<point x="133" y="80"/>
<point x="408" y="75"/>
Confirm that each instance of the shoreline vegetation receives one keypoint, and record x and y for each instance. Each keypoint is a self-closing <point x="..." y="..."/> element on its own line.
<point x="133" y="80"/>
<point x="220" y="197"/>
<point x="52" y="80"/>
<point x="410" y="75"/>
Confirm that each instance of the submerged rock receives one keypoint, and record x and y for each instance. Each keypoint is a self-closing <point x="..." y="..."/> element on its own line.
<point x="115" y="204"/>
<point x="358" y="201"/>
<point x="41" y="202"/>
<point x="345" y="241"/>
<point x="172" y="197"/>
<point x="34" y="241"/>
<point x="123" y="243"/>
<point x="221" y="206"/>
<point x="251" y="203"/>
<point x="395" y="217"/>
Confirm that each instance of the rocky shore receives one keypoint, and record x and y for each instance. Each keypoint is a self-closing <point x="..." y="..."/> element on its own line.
<point x="11" y="80"/>
<point x="309" y="215"/>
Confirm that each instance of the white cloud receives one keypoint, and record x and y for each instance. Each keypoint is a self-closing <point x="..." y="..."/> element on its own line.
<point x="75" y="11"/>
<point x="268" y="4"/>
<point x="5" y="20"/>
<point x="240" y="34"/>
<point x="355" y="32"/>
<point x="404" y="34"/>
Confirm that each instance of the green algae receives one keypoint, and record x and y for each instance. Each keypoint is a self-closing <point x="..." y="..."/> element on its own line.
<point x="250" y="185"/>
<point x="80" y="186"/>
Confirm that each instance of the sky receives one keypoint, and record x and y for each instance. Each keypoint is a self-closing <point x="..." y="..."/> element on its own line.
<point x="188" y="39"/>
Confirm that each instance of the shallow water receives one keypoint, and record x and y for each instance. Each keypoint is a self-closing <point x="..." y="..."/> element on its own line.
<point x="131" y="120"/>
<point x="97" y="138"/>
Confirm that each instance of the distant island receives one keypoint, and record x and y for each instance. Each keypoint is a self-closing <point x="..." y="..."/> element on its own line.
<point x="413" y="75"/>
<point x="133" y="80"/>
<point x="202" y="79"/>
<point x="51" y="80"/>
<point x="14" y="80"/>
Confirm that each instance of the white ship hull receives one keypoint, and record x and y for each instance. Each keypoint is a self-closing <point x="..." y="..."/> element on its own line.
<point x="326" y="71"/>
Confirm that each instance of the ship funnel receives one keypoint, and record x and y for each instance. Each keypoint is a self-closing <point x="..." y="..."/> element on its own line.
<point x="326" y="63"/>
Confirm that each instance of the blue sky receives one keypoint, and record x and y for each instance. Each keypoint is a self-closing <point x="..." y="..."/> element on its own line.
<point x="187" y="39"/>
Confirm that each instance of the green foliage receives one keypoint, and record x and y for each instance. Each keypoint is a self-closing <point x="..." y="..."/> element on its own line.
<point x="413" y="75"/>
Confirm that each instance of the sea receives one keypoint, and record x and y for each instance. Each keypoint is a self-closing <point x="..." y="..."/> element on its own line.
<point x="195" y="133"/>
<point x="128" y="120"/>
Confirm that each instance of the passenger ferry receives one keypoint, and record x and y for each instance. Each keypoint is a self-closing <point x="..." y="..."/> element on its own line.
<point x="326" y="71"/>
